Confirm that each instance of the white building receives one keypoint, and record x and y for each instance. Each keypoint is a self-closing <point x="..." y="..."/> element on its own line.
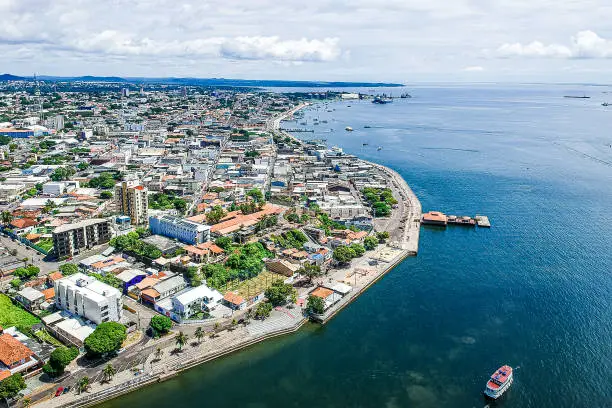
<point x="10" y="192"/>
<point x="87" y="297"/>
<point x="193" y="301"/>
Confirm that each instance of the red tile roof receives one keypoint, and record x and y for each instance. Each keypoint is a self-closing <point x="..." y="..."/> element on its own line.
<point x="12" y="350"/>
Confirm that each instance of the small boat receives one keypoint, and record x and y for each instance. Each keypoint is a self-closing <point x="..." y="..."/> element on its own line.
<point x="605" y="104"/>
<point x="499" y="382"/>
<point x="367" y="126"/>
<point x="577" y="97"/>
<point x="364" y="144"/>
<point x="382" y="100"/>
<point x="348" y="129"/>
<point x="379" y="148"/>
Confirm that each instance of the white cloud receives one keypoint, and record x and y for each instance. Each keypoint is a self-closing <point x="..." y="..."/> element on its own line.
<point x="475" y="68"/>
<point x="262" y="48"/>
<point x="585" y="44"/>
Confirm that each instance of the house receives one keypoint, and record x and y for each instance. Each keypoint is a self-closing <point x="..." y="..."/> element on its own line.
<point x="53" y="277"/>
<point x="328" y="295"/>
<point x="30" y="298"/>
<point x="281" y="266"/>
<point x="130" y="278"/>
<point x="234" y="301"/>
<point x="195" y="300"/>
<point x="23" y="225"/>
<point x="16" y="357"/>
<point x="69" y="328"/>
<point x="205" y="252"/>
<point x="163" y="289"/>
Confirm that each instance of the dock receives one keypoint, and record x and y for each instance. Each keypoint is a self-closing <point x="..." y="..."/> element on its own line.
<point x="440" y="219"/>
<point x="482" y="221"/>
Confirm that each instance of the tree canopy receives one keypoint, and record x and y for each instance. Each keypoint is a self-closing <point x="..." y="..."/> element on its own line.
<point x="278" y="292"/>
<point x="10" y="386"/>
<point x="27" y="273"/>
<point x="160" y="325"/>
<point x="59" y="359"/>
<point x="107" y="337"/>
<point x="68" y="269"/>
<point x="315" y="305"/>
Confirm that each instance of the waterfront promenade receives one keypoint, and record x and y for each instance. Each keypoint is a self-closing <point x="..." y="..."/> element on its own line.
<point x="142" y="366"/>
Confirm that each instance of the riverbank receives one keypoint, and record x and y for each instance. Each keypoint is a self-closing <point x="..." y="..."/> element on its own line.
<point x="153" y="368"/>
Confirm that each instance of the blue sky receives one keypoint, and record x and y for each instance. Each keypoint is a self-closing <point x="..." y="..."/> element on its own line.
<point x="385" y="40"/>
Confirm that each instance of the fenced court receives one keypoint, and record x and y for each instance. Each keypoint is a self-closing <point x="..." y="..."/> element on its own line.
<point x="254" y="286"/>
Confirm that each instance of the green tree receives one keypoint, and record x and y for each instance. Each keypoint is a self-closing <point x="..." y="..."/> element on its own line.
<point x="382" y="236"/>
<point x="215" y="215"/>
<point x="358" y="249"/>
<point x="263" y="310"/>
<point x="106" y="195"/>
<point x="83" y="166"/>
<point x="10" y="386"/>
<point x="278" y="292"/>
<point x="6" y="217"/>
<point x="180" y="205"/>
<point x="343" y="254"/>
<point x="311" y="271"/>
<point x="83" y="384"/>
<point x="256" y="195"/>
<point x="160" y="325"/>
<point x="109" y="371"/>
<point x="315" y="305"/>
<point x="59" y="359"/>
<point x="199" y="334"/>
<point x="106" y="338"/>
<point x="224" y="242"/>
<point x="68" y="269"/>
<point x="27" y="273"/>
<point x="15" y="283"/>
<point x="370" y="243"/>
<point x="181" y="339"/>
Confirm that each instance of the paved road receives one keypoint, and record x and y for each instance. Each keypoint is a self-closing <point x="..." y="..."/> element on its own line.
<point x="34" y="257"/>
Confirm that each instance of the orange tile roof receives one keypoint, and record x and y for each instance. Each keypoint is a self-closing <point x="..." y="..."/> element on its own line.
<point x="322" y="292"/>
<point x="23" y="222"/>
<point x="55" y="276"/>
<point x="234" y="298"/>
<point x="49" y="293"/>
<point x="235" y="219"/>
<point x="147" y="283"/>
<point x="12" y="350"/>
<point x="4" y="374"/>
<point x="152" y="293"/>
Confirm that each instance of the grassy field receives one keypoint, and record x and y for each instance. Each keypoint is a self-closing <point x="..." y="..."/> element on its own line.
<point x="45" y="243"/>
<point x="254" y="286"/>
<point x="11" y="315"/>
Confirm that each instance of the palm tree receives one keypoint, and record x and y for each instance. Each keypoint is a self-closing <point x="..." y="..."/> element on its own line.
<point x="83" y="384"/>
<point x="6" y="217"/>
<point x="109" y="371"/>
<point x="159" y="353"/>
<point x="181" y="340"/>
<point x="199" y="334"/>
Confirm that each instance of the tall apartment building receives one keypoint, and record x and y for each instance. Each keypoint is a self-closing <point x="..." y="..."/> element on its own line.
<point x="88" y="297"/>
<point x="69" y="239"/>
<point x="133" y="201"/>
<point x="178" y="228"/>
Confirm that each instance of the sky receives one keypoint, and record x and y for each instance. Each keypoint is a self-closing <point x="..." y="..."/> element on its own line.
<point x="338" y="40"/>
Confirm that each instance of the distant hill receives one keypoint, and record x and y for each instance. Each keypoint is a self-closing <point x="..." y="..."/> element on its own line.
<point x="9" y="77"/>
<point x="211" y="82"/>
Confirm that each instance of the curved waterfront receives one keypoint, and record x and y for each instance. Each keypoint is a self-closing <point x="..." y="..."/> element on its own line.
<point x="533" y="291"/>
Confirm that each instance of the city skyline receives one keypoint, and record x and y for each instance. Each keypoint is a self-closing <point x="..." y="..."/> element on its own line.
<point x="390" y="41"/>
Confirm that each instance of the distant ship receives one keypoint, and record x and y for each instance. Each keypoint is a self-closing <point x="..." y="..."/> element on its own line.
<point x="577" y="97"/>
<point x="499" y="382"/>
<point x="405" y="96"/>
<point x="379" y="148"/>
<point x="348" y="129"/>
<point x="367" y="127"/>
<point x="364" y="144"/>
<point x="605" y="104"/>
<point x="382" y="100"/>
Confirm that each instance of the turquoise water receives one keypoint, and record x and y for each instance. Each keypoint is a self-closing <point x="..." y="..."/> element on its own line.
<point x="534" y="291"/>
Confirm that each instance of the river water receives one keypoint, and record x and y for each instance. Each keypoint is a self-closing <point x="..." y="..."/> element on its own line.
<point x="534" y="291"/>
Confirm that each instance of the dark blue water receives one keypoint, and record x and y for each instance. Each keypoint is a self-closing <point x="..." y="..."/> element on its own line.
<point x="534" y="291"/>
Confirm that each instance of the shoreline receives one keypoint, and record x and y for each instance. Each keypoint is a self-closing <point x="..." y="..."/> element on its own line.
<point x="406" y="246"/>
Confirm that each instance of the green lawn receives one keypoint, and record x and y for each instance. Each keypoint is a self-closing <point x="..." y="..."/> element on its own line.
<point x="11" y="315"/>
<point x="46" y="244"/>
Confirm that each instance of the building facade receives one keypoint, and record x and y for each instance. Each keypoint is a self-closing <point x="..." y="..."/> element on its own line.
<point x="87" y="297"/>
<point x="183" y="230"/>
<point x="70" y="239"/>
<point x="133" y="201"/>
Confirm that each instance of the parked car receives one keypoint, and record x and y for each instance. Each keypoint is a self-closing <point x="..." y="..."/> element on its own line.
<point x="59" y="391"/>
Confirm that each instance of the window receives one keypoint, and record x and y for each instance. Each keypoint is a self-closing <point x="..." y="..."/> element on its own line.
<point x="104" y="308"/>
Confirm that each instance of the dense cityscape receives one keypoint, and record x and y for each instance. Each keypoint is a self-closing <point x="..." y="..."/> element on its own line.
<point x="149" y="228"/>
